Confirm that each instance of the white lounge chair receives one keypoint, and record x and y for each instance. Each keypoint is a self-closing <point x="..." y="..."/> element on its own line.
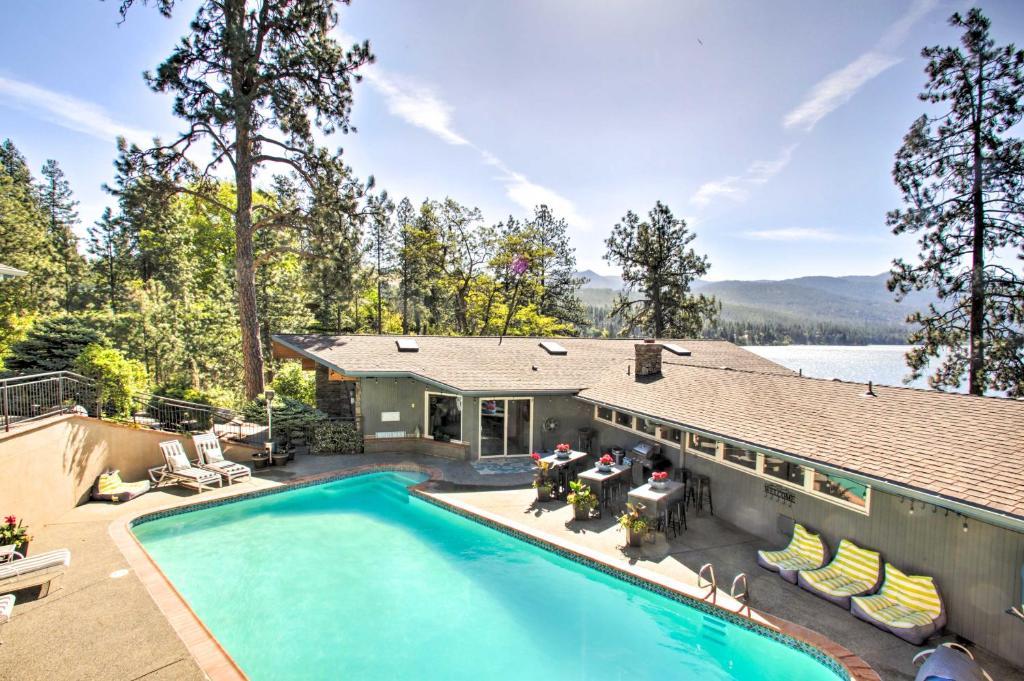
<point x="178" y="470"/>
<point x="211" y="458"/>
<point x="46" y="569"/>
<point x="6" y="608"/>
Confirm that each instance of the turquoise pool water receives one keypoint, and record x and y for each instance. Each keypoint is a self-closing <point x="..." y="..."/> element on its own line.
<point x="355" y="579"/>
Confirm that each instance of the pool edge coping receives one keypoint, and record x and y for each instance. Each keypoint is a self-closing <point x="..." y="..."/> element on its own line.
<point x="218" y="665"/>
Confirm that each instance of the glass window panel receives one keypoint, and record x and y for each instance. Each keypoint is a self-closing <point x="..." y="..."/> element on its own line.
<point x="623" y="419"/>
<point x="645" y="426"/>
<point x="605" y="414"/>
<point x="518" y="431"/>
<point x="671" y="434"/>
<point x="841" y="488"/>
<point x="703" y="445"/>
<point x="444" y="418"/>
<point x="784" y="470"/>
<point x="492" y="427"/>
<point x="740" y="457"/>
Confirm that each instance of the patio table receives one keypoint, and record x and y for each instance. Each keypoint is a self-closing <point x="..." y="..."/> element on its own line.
<point x="657" y="502"/>
<point x="599" y="481"/>
<point x="563" y="469"/>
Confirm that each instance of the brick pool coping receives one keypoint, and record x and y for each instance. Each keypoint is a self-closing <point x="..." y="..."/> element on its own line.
<point x="218" y="665"/>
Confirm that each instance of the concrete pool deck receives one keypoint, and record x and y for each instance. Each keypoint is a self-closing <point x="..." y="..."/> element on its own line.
<point x="105" y="624"/>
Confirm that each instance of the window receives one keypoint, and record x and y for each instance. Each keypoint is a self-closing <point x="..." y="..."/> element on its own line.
<point x="702" y="445"/>
<point x="623" y="419"/>
<point x="841" y="488"/>
<point x="605" y="414"/>
<point x="672" y="434"/>
<point x="506" y="426"/>
<point x="740" y="457"/>
<point x="444" y="416"/>
<point x="645" y="426"/>
<point x="784" y="470"/>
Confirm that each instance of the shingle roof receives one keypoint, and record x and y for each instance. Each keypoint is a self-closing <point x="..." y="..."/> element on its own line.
<point x="475" y="364"/>
<point x="965" y="448"/>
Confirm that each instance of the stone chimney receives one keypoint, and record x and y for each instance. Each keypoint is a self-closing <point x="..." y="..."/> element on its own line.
<point x="648" y="358"/>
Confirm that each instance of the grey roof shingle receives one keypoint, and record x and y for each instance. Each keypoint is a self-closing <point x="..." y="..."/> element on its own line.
<point x="475" y="364"/>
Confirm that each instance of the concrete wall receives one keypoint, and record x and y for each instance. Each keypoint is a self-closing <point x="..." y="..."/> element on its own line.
<point x="403" y="395"/>
<point x="48" y="468"/>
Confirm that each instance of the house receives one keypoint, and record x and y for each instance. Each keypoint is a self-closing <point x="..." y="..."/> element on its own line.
<point x="935" y="481"/>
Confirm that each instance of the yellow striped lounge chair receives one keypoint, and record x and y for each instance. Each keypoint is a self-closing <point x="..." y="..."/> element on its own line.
<point x="853" y="572"/>
<point x="908" y="606"/>
<point x="806" y="551"/>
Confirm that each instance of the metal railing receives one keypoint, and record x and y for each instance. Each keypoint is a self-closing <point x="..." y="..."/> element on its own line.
<point x="29" y="398"/>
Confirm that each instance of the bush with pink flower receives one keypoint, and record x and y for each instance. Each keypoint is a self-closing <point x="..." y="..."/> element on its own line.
<point x="13" y="531"/>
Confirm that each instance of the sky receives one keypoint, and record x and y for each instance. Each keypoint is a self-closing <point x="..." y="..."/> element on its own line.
<point x="769" y="127"/>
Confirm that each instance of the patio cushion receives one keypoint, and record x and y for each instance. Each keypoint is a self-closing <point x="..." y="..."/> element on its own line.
<point x="906" y="605"/>
<point x="806" y="551"/>
<point x="853" y="572"/>
<point x="178" y="462"/>
<point x="110" y="487"/>
<point x="109" y="483"/>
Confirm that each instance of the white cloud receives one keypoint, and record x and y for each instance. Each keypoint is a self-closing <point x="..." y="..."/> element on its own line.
<point x="805" y="234"/>
<point x="416" y="105"/>
<point x="840" y="86"/>
<point x="68" y="111"/>
<point x="737" y="187"/>
<point x="420" y="106"/>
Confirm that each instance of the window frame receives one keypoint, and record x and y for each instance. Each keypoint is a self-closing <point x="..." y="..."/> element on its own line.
<point x="504" y="438"/>
<point x="426" y="414"/>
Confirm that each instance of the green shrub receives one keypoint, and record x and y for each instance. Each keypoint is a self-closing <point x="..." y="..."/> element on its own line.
<point x="336" y="437"/>
<point x="117" y="378"/>
<point x="289" y="415"/>
<point x="291" y="381"/>
<point x="215" y="397"/>
<point x="52" y="345"/>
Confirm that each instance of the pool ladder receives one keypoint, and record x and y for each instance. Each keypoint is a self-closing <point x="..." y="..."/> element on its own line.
<point x="740" y="589"/>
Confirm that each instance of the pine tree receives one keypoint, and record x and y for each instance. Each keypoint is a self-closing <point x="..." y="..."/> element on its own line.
<point x="59" y="205"/>
<point x="657" y="270"/>
<point x="380" y="247"/>
<point x="110" y="247"/>
<point x="253" y="80"/>
<point x="962" y="176"/>
<point x="556" y="270"/>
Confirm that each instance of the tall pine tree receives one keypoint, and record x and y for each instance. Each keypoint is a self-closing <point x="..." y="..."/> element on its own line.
<point x="59" y="205"/>
<point x="962" y="176"/>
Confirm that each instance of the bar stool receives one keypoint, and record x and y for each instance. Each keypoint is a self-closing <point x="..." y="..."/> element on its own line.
<point x="699" y="485"/>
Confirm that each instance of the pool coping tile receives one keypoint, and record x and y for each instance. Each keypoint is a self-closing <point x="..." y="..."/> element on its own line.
<point x="218" y="665"/>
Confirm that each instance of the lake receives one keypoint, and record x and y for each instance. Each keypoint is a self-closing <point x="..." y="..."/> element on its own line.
<point x="883" y="364"/>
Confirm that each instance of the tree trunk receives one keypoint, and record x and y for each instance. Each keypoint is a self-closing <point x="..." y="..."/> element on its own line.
<point x="977" y="331"/>
<point x="245" y="266"/>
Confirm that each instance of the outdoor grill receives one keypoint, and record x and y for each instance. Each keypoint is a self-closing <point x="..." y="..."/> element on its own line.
<point x="647" y="458"/>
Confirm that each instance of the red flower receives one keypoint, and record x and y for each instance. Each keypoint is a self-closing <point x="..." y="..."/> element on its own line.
<point x="10" y="520"/>
<point x="535" y="456"/>
<point x="660" y="475"/>
<point x="607" y="458"/>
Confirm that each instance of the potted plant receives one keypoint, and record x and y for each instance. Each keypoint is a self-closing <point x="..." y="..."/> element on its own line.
<point x="635" y="522"/>
<point x="13" y="531"/>
<point x="542" y="480"/>
<point x="582" y="498"/>
<point x="604" y="464"/>
<point x="563" y="450"/>
<point x="659" y="479"/>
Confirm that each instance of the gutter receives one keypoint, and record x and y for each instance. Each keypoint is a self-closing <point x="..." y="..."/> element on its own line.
<point x="1004" y="520"/>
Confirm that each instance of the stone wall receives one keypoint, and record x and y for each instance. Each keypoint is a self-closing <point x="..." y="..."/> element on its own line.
<point x="648" y="359"/>
<point x="334" y="397"/>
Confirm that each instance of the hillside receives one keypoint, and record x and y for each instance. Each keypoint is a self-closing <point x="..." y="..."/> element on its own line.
<point x="861" y="304"/>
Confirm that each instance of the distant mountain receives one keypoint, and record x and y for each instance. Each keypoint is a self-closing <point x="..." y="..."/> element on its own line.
<point x="595" y="280"/>
<point x="852" y="301"/>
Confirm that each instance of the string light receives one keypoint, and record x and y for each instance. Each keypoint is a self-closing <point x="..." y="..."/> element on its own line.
<point x="911" y="507"/>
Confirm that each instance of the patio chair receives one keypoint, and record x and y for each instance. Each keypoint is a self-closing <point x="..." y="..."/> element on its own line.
<point x="949" y="662"/>
<point x="806" y="551"/>
<point x="45" y="569"/>
<point x="6" y="608"/>
<point x="853" y="572"/>
<point x="908" y="606"/>
<point x="211" y="458"/>
<point x="178" y="470"/>
<point x="110" y="487"/>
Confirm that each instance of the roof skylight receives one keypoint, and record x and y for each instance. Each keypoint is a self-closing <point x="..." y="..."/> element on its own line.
<point x="407" y="345"/>
<point x="554" y="348"/>
<point x="677" y="349"/>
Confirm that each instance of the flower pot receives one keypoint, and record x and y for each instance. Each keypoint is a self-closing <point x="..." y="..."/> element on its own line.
<point x="635" y="537"/>
<point x="581" y="512"/>
<point x="259" y="462"/>
<point x="544" y="493"/>
<point x="562" y="455"/>
<point x="604" y="468"/>
<point x="280" y="459"/>
<point x="22" y="548"/>
<point x="657" y="484"/>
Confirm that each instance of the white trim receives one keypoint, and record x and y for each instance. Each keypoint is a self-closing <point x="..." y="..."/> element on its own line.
<point x="426" y="413"/>
<point x="504" y="436"/>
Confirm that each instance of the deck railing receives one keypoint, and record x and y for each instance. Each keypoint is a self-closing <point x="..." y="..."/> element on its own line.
<point x="25" y="399"/>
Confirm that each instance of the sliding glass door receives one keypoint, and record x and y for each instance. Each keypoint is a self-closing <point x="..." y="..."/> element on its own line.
<point x="506" y="426"/>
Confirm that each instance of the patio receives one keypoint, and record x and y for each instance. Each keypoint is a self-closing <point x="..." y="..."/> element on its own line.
<point x="104" y="624"/>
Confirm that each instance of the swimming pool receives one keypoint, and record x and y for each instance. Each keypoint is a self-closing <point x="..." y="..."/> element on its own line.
<point x="357" y="579"/>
